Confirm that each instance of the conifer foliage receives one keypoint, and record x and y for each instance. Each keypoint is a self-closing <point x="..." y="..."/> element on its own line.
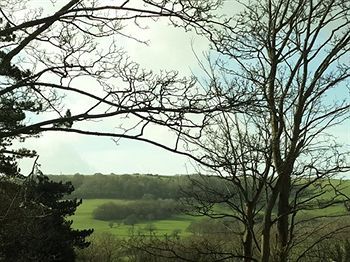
<point x="34" y="225"/>
<point x="33" y="211"/>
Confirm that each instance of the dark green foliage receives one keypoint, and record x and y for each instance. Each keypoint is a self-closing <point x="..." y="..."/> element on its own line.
<point x="131" y="220"/>
<point x="34" y="226"/>
<point x="124" y="186"/>
<point x="135" y="211"/>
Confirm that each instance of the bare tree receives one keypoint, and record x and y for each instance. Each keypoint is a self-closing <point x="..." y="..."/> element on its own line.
<point x="48" y="55"/>
<point x="68" y="50"/>
<point x="243" y="176"/>
<point x="261" y="120"/>
<point x="290" y="58"/>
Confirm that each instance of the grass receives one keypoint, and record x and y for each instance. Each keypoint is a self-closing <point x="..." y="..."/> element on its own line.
<point x="83" y="220"/>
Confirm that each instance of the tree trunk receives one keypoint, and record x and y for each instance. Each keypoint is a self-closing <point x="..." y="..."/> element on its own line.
<point x="248" y="234"/>
<point x="265" y="241"/>
<point x="265" y="236"/>
<point x="283" y="214"/>
<point x="247" y="245"/>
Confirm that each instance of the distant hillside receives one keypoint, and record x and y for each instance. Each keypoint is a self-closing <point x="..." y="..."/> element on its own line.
<point x="148" y="186"/>
<point x="134" y="186"/>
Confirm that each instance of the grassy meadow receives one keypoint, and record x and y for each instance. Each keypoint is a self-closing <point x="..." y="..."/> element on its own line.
<point x="83" y="219"/>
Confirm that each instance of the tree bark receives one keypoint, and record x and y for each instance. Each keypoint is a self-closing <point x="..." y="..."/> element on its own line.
<point x="283" y="214"/>
<point x="266" y="232"/>
<point x="248" y="234"/>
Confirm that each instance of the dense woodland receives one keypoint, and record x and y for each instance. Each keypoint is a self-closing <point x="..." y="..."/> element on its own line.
<point x="134" y="186"/>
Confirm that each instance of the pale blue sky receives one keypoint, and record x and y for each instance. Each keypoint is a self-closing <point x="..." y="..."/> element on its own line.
<point x="70" y="153"/>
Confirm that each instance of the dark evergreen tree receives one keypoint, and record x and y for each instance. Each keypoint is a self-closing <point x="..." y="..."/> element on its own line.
<point x="33" y="224"/>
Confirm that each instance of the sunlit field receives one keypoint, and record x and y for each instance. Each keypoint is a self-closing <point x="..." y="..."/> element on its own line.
<point x="83" y="219"/>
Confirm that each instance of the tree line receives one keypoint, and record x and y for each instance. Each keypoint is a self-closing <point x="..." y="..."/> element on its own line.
<point x="148" y="186"/>
<point x="135" y="186"/>
<point x="136" y="211"/>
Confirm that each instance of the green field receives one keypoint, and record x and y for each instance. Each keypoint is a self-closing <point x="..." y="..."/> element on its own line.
<point x="83" y="219"/>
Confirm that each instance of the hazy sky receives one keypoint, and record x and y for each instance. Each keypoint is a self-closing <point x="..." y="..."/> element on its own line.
<point x="62" y="153"/>
<point x="169" y="49"/>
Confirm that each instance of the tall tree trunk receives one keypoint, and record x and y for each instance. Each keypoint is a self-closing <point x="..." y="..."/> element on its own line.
<point x="265" y="241"/>
<point x="248" y="234"/>
<point x="266" y="232"/>
<point x="283" y="214"/>
<point x="248" y="245"/>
